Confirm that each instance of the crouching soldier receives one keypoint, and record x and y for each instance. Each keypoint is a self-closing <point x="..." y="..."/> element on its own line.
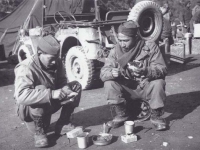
<point x="41" y="89"/>
<point x="134" y="69"/>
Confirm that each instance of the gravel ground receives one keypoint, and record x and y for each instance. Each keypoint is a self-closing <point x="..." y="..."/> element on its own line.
<point x="182" y="114"/>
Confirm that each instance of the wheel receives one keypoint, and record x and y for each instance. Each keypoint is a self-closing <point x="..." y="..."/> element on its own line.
<point x="148" y="15"/>
<point x="25" y="51"/>
<point x="78" y="67"/>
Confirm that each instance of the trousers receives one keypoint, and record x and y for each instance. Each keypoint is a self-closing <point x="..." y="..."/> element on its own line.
<point x="118" y="91"/>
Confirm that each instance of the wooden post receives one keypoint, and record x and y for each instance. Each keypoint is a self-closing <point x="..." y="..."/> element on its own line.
<point x="188" y="43"/>
<point x="2" y="53"/>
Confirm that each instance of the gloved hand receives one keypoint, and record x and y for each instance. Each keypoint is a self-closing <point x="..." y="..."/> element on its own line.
<point x="71" y="95"/>
<point x="58" y="94"/>
<point x="66" y="89"/>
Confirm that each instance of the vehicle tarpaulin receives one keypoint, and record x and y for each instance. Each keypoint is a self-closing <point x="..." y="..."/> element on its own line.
<point x="28" y="13"/>
<point x="69" y="6"/>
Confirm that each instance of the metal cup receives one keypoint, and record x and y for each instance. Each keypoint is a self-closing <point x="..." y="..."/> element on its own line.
<point x="82" y="140"/>
<point x="129" y="127"/>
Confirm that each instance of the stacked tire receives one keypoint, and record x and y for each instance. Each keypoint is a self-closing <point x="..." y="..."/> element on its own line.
<point x="148" y="15"/>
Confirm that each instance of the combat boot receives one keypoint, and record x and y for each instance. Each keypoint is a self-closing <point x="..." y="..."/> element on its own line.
<point x="156" y="119"/>
<point x="121" y="115"/>
<point x="63" y="124"/>
<point x="40" y="136"/>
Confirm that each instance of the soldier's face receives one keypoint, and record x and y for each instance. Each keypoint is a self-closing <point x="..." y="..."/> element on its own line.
<point x="49" y="61"/>
<point x="126" y="42"/>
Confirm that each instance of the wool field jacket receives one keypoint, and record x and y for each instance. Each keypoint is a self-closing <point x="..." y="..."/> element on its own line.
<point x="151" y="58"/>
<point x="33" y="85"/>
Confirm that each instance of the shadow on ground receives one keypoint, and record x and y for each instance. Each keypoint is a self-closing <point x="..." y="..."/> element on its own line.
<point x="93" y="116"/>
<point x="89" y="117"/>
<point x="179" y="105"/>
<point x="53" y="139"/>
<point x="182" y="104"/>
<point x="175" y="68"/>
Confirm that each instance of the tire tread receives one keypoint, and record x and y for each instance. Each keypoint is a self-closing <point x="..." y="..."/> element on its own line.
<point x="91" y="69"/>
<point x="136" y="12"/>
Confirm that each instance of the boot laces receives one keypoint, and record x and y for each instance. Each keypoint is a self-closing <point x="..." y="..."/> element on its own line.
<point x="39" y="125"/>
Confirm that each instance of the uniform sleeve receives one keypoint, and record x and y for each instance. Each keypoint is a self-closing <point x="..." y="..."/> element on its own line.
<point x="157" y="68"/>
<point x="110" y="63"/>
<point x="25" y="91"/>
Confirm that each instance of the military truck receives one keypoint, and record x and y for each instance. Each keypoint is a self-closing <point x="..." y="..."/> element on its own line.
<point x="86" y="31"/>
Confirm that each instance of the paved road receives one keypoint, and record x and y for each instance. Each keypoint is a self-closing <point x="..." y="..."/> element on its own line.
<point x="182" y="113"/>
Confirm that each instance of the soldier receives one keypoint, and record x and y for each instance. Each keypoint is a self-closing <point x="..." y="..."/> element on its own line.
<point x="41" y="89"/>
<point x="196" y="8"/>
<point x="125" y="82"/>
<point x="186" y="15"/>
<point x="167" y="29"/>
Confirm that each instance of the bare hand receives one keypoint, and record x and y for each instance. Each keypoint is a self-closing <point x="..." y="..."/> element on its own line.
<point x="58" y="94"/>
<point x="115" y="72"/>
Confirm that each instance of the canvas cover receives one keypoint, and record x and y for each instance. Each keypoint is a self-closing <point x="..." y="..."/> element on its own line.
<point x="28" y="10"/>
<point x="69" y="6"/>
<point x="29" y="14"/>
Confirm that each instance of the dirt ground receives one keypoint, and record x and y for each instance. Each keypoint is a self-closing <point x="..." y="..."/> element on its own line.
<point x="182" y="114"/>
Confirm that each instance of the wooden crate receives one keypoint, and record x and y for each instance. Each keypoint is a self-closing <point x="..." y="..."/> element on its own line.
<point x="195" y="46"/>
<point x="177" y="52"/>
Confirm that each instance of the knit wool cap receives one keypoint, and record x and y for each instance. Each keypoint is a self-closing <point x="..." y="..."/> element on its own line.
<point x="48" y="45"/>
<point x="128" y="28"/>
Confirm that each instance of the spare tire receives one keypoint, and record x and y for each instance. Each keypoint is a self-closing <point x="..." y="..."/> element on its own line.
<point x="149" y="17"/>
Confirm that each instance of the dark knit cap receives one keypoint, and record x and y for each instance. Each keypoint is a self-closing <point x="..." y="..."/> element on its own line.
<point x="128" y="28"/>
<point x="48" y="45"/>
